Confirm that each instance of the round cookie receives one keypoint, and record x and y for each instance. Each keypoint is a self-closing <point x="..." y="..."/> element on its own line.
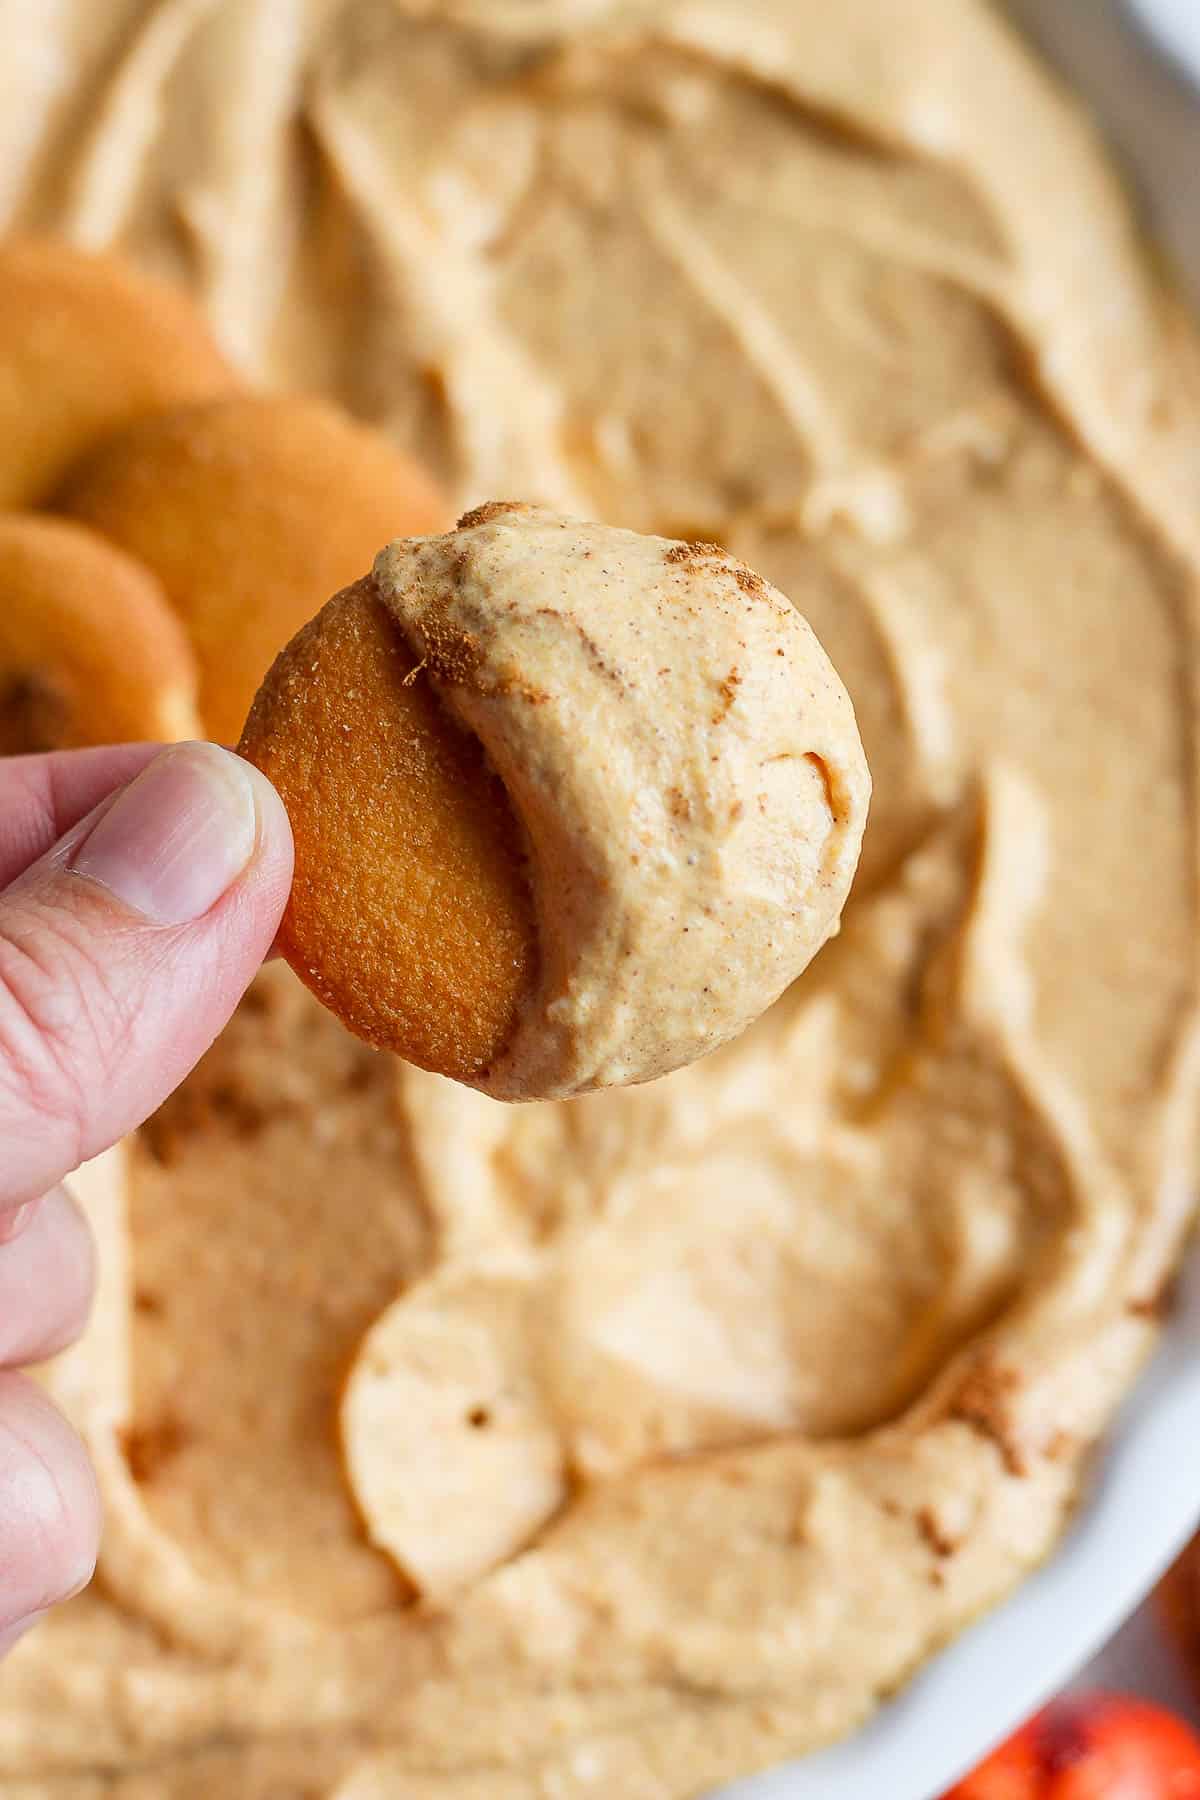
<point x="251" y="510"/>
<point x="90" y="652"/>
<point x="410" y="915"/>
<point x="87" y="343"/>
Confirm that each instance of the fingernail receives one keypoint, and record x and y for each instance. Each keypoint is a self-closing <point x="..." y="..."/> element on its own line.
<point x="178" y="836"/>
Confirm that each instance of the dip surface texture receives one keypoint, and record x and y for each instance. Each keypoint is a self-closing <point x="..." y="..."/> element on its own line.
<point x="780" y="1370"/>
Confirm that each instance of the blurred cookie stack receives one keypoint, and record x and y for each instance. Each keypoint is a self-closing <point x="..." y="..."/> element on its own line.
<point x="164" y="530"/>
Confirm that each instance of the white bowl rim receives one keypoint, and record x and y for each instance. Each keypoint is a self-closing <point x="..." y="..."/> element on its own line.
<point x="1140" y="1507"/>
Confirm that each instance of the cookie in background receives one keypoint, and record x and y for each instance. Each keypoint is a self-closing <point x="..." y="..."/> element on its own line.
<point x="250" y="510"/>
<point x="90" y="652"/>
<point x="87" y="344"/>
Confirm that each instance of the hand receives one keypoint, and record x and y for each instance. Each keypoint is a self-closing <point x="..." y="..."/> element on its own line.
<point x="130" y="924"/>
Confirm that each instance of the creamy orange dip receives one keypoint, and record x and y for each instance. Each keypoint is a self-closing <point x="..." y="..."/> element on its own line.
<point x="623" y="1446"/>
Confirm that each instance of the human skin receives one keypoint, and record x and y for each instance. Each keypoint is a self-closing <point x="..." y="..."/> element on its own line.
<point x="140" y="889"/>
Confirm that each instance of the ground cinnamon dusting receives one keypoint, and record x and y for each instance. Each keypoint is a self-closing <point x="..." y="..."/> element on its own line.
<point x="1155" y="1306"/>
<point x="727" y="689"/>
<point x="692" y="551"/>
<point x="984" y="1402"/>
<point x="491" y="509"/>
<point x="149" y="1448"/>
<point x="940" y="1541"/>
<point x="453" y="656"/>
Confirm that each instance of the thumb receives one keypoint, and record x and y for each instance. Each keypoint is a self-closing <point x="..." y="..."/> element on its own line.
<point x="124" y="950"/>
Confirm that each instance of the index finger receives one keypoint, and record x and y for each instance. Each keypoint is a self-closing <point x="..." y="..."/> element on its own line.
<point x="41" y="797"/>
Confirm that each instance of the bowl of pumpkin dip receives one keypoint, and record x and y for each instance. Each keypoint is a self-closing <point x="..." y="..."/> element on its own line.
<point x="775" y="1377"/>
